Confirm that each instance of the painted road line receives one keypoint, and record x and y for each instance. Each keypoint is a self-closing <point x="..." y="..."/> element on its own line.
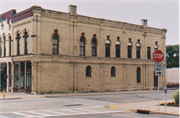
<point x="113" y="107"/>
<point x="79" y="112"/>
<point x="43" y="114"/>
<point x="92" y="111"/>
<point x="53" y="109"/>
<point x="4" y="116"/>
<point x="22" y="114"/>
<point x="58" y="113"/>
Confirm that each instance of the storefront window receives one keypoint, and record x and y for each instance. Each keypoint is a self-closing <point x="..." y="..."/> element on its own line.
<point x="22" y="75"/>
<point x="16" y="74"/>
<point x="9" y="74"/>
<point x="28" y="79"/>
<point x="16" y="79"/>
<point x="28" y="75"/>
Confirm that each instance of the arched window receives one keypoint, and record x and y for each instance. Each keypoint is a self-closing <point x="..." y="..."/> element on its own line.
<point x="4" y="45"/>
<point x="88" y="71"/>
<point x="18" y="43"/>
<point x="55" y="44"/>
<point x="107" y="47"/>
<point x="138" y="75"/>
<point x="26" y="42"/>
<point x="129" y="48"/>
<point x="9" y="45"/>
<point x="82" y="46"/>
<point x="113" y="71"/>
<point x="94" y="47"/>
<point x="118" y="47"/>
<point x="138" y="47"/>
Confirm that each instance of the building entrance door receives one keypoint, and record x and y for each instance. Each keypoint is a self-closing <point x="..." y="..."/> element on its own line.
<point x="155" y="80"/>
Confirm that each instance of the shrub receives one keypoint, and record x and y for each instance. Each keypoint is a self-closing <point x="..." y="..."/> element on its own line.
<point x="176" y="97"/>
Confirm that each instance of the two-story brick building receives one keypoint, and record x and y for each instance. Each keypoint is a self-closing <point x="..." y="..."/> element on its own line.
<point x="46" y="51"/>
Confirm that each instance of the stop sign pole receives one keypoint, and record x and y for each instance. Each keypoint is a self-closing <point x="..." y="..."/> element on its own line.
<point x="158" y="56"/>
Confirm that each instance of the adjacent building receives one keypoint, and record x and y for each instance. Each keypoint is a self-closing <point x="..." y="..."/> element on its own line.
<point x="46" y="51"/>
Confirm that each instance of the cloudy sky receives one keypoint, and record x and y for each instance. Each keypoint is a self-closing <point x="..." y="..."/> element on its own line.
<point x="160" y="13"/>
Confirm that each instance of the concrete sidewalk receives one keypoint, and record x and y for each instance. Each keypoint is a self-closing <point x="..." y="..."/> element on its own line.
<point x="148" y="106"/>
<point x="9" y="95"/>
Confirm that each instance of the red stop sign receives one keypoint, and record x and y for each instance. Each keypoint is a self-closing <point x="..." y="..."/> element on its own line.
<point x="158" y="55"/>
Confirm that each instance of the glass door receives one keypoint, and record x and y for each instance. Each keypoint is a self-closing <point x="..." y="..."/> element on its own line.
<point x="16" y="77"/>
<point x="28" y="79"/>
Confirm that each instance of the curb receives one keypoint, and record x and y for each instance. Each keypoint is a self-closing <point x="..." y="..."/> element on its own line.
<point x="11" y="98"/>
<point x="100" y="93"/>
<point x="166" y="113"/>
<point x="153" y="112"/>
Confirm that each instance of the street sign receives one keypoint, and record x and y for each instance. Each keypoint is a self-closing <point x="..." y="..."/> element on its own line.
<point x="165" y="90"/>
<point x="158" y="56"/>
<point x="158" y="69"/>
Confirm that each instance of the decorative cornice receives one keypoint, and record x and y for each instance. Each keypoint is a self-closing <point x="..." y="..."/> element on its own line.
<point x="55" y="14"/>
<point x="103" y="22"/>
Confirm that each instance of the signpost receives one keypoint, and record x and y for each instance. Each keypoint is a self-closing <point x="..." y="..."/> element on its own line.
<point x="165" y="91"/>
<point x="88" y="88"/>
<point x="158" y="56"/>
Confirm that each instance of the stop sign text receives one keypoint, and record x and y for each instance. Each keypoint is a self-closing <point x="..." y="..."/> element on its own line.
<point x="158" y="56"/>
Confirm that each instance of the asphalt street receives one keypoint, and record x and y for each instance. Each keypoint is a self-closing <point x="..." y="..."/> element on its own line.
<point x="129" y="97"/>
<point x="120" y="115"/>
<point x="78" y="106"/>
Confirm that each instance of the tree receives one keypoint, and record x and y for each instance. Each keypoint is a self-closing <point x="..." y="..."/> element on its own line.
<point x="172" y="56"/>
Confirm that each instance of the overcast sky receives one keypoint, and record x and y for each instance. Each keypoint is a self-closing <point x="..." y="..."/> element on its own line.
<point x="160" y="13"/>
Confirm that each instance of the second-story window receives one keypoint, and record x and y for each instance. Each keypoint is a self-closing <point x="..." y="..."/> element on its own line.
<point x="118" y="47"/>
<point x="55" y="43"/>
<point x="82" y="45"/>
<point x="107" y="53"/>
<point x="94" y="46"/>
<point x="4" y="45"/>
<point x="18" y="43"/>
<point x="9" y="45"/>
<point x="129" y="48"/>
<point x="138" y="47"/>
<point x="148" y="52"/>
<point x="26" y="42"/>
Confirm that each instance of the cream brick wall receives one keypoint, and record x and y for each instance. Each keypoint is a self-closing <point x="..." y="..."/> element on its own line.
<point x="20" y="26"/>
<point x="66" y="71"/>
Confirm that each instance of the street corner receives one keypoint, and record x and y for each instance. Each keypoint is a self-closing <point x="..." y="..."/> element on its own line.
<point x="166" y="113"/>
<point x="112" y="106"/>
